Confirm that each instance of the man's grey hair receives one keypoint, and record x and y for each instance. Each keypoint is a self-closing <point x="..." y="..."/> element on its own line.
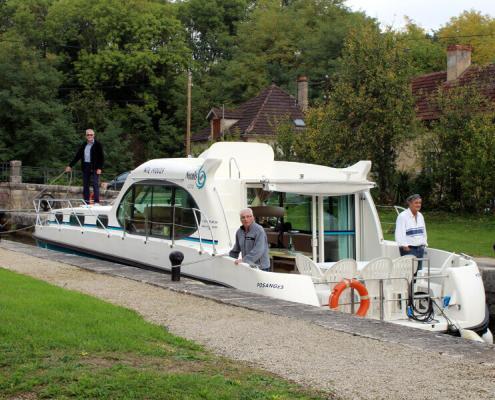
<point x="246" y="211"/>
<point x="413" y="197"/>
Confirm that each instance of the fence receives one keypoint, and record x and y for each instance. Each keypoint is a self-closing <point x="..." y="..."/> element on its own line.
<point x="41" y="175"/>
<point x="4" y="171"/>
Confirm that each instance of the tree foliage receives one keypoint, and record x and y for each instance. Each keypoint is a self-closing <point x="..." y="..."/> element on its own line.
<point x="34" y="125"/>
<point x="370" y="110"/>
<point x="459" y="150"/>
<point x="475" y="29"/>
<point x="426" y="53"/>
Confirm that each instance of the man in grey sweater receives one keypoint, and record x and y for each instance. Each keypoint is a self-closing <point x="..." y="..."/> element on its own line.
<point x="251" y="241"/>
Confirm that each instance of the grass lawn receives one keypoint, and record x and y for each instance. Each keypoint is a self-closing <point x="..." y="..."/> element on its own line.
<point x="470" y="234"/>
<point x="55" y="343"/>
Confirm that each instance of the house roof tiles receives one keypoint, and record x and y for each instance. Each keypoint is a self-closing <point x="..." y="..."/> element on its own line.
<point x="259" y="115"/>
<point x="423" y="87"/>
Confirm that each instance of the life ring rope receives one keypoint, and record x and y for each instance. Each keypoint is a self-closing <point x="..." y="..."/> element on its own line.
<point x="333" y="301"/>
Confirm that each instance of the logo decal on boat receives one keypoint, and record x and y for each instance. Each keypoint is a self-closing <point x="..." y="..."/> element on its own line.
<point x="201" y="178"/>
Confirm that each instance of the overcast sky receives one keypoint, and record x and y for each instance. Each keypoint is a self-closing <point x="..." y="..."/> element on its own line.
<point x="429" y="14"/>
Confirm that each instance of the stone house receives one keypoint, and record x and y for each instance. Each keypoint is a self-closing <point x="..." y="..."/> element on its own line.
<point x="459" y="72"/>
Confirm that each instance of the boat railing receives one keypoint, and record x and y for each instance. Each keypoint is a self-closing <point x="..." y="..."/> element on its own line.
<point x="382" y="282"/>
<point x="236" y="165"/>
<point x="172" y="229"/>
<point x="40" y="205"/>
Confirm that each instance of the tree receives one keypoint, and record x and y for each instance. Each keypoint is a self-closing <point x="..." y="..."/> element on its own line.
<point x="459" y="150"/>
<point x="34" y="125"/>
<point x="133" y="54"/>
<point x="471" y="28"/>
<point x="426" y="53"/>
<point x="370" y="110"/>
<point x="281" y="40"/>
<point x="212" y="27"/>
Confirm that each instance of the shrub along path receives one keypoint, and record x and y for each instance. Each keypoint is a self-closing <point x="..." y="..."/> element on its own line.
<point x="336" y="362"/>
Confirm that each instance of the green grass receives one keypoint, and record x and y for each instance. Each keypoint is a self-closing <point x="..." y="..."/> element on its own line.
<point x="60" y="344"/>
<point x="470" y="234"/>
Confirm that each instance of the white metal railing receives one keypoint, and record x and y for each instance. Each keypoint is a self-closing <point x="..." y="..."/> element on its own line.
<point x="410" y="295"/>
<point x="237" y="166"/>
<point x="66" y="204"/>
<point x="149" y="224"/>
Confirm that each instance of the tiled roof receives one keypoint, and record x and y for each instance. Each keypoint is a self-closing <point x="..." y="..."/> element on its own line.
<point x="259" y="115"/>
<point x="423" y="87"/>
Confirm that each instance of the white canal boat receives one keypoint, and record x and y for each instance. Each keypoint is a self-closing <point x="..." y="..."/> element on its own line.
<point x="321" y="223"/>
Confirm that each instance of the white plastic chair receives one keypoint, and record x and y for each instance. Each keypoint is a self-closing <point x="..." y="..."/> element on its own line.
<point x="306" y="266"/>
<point x="402" y="272"/>
<point x="376" y="269"/>
<point x="343" y="269"/>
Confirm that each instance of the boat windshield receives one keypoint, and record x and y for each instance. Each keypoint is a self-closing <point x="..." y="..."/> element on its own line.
<point x="292" y="226"/>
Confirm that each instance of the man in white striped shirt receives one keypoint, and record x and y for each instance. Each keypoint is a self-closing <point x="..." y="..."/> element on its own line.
<point x="410" y="229"/>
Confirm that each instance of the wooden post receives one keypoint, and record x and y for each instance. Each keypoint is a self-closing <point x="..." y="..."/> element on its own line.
<point x="188" y="126"/>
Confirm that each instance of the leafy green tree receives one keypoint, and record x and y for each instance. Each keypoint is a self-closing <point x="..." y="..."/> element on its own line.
<point x="426" y="53"/>
<point x="370" y="110"/>
<point x="459" y="150"/>
<point x="34" y="125"/>
<point x="212" y="27"/>
<point x="281" y="40"/>
<point x="472" y="28"/>
<point x="132" y="53"/>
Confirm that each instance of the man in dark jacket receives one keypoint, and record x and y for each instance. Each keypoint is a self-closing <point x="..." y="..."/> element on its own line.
<point x="251" y="241"/>
<point x="91" y="155"/>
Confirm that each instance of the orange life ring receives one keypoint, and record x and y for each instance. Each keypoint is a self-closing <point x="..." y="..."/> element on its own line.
<point x="333" y="301"/>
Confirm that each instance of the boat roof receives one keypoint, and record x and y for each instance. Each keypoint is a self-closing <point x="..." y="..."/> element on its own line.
<point x="255" y="163"/>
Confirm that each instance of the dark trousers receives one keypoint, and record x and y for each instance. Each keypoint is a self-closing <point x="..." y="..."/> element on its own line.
<point x="88" y="174"/>
<point x="416" y="251"/>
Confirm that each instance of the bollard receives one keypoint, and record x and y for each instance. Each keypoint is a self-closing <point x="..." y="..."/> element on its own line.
<point x="176" y="258"/>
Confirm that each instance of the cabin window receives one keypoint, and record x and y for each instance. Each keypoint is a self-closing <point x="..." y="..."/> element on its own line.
<point x="158" y="209"/>
<point x="59" y="217"/>
<point x="340" y="233"/>
<point x="296" y="224"/>
<point x="79" y="220"/>
<point x="102" y="221"/>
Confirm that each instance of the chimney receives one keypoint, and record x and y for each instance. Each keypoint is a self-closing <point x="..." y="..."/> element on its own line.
<point x="458" y="60"/>
<point x="302" y="92"/>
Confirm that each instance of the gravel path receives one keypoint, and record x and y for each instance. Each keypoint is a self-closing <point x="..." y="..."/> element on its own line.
<point x="352" y="367"/>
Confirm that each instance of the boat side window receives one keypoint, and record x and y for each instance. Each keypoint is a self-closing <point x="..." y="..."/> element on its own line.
<point x="185" y="223"/>
<point x="102" y="221"/>
<point x="124" y="212"/>
<point x="340" y="230"/>
<point x="159" y="210"/>
<point x="76" y="220"/>
<point x="296" y="224"/>
<point x="59" y="217"/>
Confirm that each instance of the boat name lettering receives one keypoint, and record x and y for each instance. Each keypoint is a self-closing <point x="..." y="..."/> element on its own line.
<point x="154" y="171"/>
<point x="270" y="285"/>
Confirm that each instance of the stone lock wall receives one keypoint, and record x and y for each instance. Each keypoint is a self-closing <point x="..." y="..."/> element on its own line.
<point x="20" y="196"/>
